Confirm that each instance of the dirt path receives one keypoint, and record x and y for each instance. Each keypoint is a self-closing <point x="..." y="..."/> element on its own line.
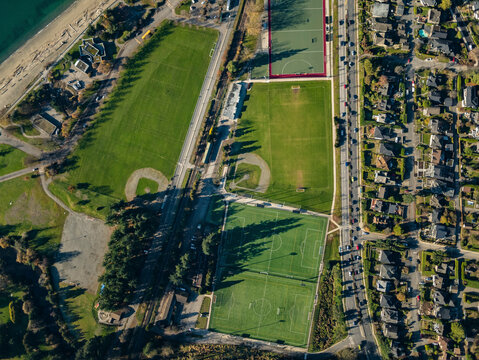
<point x="147" y="173"/>
<point x="265" y="177"/>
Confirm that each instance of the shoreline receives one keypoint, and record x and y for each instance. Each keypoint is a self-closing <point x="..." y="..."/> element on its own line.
<point x="32" y="33"/>
<point x="27" y="64"/>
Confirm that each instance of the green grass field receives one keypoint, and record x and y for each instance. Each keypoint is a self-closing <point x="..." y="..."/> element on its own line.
<point x="292" y="131"/>
<point x="144" y="121"/>
<point x="24" y="208"/>
<point x="267" y="276"/>
<point x="146" y="186"/>
<point x="78" y="311"/>
<point x="11" y="159"/>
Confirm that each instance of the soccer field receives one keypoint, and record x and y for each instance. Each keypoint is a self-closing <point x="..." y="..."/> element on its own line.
<point x="145" y="120"/>
<point x="267" y="276"/>
<point x="296" y="35"/>
<point x="289" y="125"/>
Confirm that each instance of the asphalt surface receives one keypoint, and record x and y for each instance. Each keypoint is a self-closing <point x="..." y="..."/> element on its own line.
<point x="355" y="304"/>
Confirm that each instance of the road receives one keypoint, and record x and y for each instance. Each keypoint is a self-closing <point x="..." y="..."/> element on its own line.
<point x="355" y="304"/>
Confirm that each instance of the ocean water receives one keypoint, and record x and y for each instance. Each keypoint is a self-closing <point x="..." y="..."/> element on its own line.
<point x="21" y="19"/>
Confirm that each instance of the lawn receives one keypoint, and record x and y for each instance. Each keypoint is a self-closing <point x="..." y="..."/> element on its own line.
<point x="145" y="120"/>
<point x="11" y="159"/>
<point x="291" y="129"/>
<point x="267" y="274"/>
<point x="77" y="305"/>
<point x="146" y="186"/>
<point x="25" y="209"/>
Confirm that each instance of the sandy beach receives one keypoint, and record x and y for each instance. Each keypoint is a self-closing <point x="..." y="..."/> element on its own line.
<point x="28" y="63"/>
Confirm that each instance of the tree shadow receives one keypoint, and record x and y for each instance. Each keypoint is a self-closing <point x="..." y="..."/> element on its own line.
<point x="247" y="243"/>
<point x="288" y="13"/>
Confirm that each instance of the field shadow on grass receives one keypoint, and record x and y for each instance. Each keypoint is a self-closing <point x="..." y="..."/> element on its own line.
<point x="288" y="13"/>
<point x="236" y="256"/>
<point x="243" y="147"/>
<point x="279" y="52"/>
<point x="66" y="293"/>
<point x="7" y="229"/>
<point x="6" y="151"/>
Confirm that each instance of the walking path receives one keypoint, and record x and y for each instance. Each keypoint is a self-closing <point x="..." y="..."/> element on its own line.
<point x="16" y="174"/>
<point x="6" y="138"/>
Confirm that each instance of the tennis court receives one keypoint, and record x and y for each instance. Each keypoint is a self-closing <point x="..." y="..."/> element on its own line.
<point x="267" y="274"/>
<point x="297" y="45"/>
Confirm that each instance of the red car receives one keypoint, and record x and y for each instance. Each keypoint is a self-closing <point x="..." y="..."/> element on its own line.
<point x="418" y="298"/>
<point x="357" y="247"/>
<point x="345" y="86"/>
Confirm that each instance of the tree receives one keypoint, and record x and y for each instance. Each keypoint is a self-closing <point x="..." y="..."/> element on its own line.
<point x="398" y="230"/>
<point x="368" y="67"/>
<point x="457" y="332"/>
<point x="232" y="67"/>
<point x="445" y="5"/>
<point x="207" y="244"/>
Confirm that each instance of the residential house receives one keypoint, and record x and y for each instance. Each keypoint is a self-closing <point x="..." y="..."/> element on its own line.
<point x="382" y="191"/>
<point x="388" y="272"/>
<point x="381" y="27"/>
<point x="429" y="3"/>
<point x="437" y="157"/>
<point x="388" y="302"/>
<point x="449" y="102"/>
<point x="388" y="257"/>
<point x="435" y="96"/>
<point x="441" y="232"/>
<point x="439" y="282"/>
<point x="443" y="173"/>
<point x="434" y="16"/>
<point x="441" y="187"/>
<point x="386" y="149"/>
<point x="431" y="111"/>
<point x="440" y="298"/>
<point x="390" y="316"/>
<point x="470" y="98"/>
<point x="383" y="286"/>
<point x="442" y="269"/>
<point x="383" y="162"/>
<point x="437" y="201"/>
<point x="391" y="331"/>
<point x="439" y="126"/>
<point x="443" y="313"/>
<point x="435" y="32"/>
<point x="380" y="177"/>
<point x="400" y="10"/>
<point x="435" y="216"/>
<point x="395" y="209"/>
<point x="444" y="343"/>
<point x="441" y="46"/>
<point x="376" y="205"/>
<point x="381" y="133"/>
<point x="380" y="10"/>
<point x="382" y="104"/>
<point x="382" y="118"/>
<point x="431" y="80"/>
<point x="436" y="141"/>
